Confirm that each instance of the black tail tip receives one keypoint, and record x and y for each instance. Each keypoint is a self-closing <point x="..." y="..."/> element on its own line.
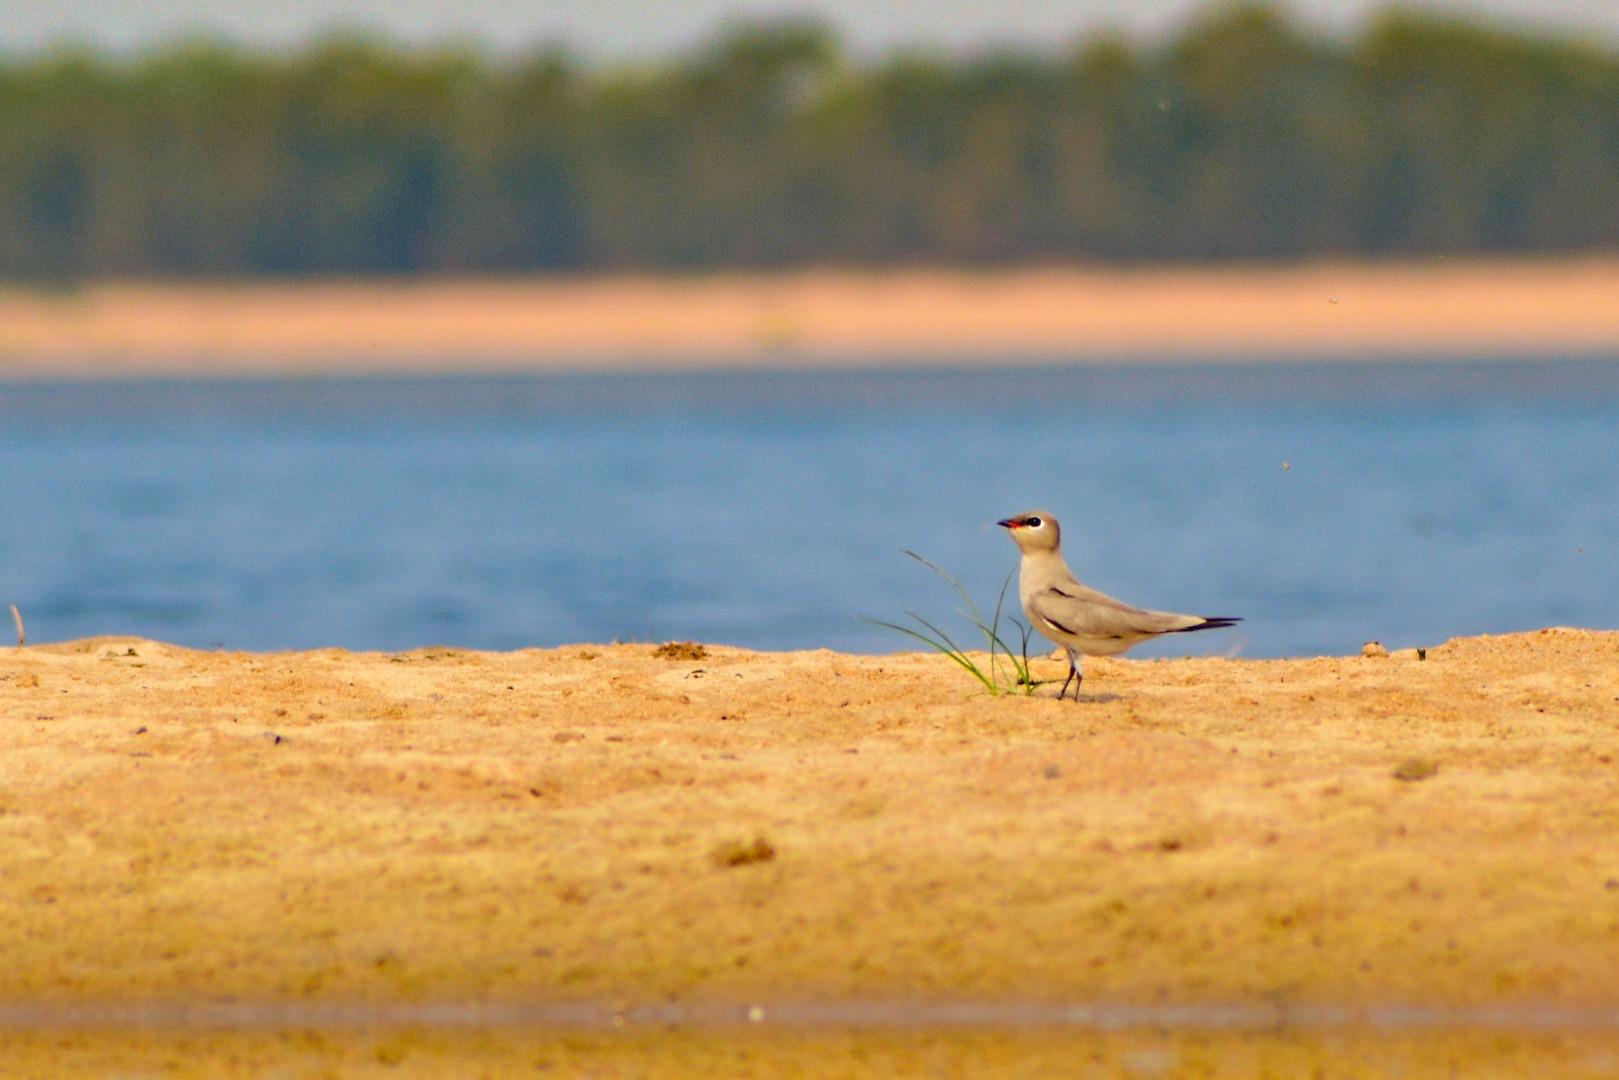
<point x="1217" y="622"/>
<point x="1213" y="622"/>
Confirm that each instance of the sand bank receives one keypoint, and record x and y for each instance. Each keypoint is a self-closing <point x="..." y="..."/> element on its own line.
<point x="604" y="824"/>
<point x="338" y="839"/>
<point x="1441" y="308"/>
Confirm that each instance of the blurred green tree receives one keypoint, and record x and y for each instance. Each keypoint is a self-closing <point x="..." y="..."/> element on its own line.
<point x="1242" y="136"/>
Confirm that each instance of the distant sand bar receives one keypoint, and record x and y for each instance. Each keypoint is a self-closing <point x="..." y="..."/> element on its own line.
<point x="1522" y="309"/>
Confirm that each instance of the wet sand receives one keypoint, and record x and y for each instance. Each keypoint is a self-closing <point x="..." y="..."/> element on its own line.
<point x="605" y="827"/>
<point x="1135" y="1054"/>
<point x="1441" y="308"/>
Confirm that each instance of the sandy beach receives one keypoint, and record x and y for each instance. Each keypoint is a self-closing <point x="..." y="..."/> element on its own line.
<point x="1440" y="308"/>
<point x="612" y="827"/>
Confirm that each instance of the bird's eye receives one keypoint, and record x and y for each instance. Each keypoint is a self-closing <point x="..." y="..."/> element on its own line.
<point x="1033" y="523"/>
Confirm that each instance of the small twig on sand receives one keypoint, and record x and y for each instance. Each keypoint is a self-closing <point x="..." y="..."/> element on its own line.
<point x="16" y="617"/>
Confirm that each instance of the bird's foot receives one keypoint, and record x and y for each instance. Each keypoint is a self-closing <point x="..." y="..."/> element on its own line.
<point x="1073" y="677"/>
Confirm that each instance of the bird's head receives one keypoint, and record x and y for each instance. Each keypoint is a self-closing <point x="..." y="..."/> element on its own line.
<point x="1033" y="530"/>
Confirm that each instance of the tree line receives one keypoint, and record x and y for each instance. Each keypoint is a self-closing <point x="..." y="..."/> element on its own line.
<point x="1244" y="136"/>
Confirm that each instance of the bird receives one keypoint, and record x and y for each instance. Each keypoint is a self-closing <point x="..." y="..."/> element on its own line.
<point x="1083" y="621"/>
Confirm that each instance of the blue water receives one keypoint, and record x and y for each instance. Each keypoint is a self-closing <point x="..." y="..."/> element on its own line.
<point x="1327" y="504"/>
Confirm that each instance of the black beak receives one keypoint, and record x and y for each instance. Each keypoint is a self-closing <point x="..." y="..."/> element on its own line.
<point x="1007" y="523"/>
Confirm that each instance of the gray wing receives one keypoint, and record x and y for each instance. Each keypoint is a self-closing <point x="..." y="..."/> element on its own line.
<point x="1081" y="611"/>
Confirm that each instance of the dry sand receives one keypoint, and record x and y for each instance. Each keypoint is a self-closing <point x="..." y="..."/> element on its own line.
<point x="601" y="824"/>
<point x="1441" y="308"/>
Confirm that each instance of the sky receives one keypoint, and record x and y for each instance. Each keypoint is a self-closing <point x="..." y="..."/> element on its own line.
<point x="629" y="29"/>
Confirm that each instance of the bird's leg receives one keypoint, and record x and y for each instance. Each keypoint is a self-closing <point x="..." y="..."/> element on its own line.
<point x="1074" y="676"/>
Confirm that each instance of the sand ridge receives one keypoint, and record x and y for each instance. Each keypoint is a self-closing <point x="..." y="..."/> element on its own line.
<point x="554" y="825"/>
<point x="823" y="317"/>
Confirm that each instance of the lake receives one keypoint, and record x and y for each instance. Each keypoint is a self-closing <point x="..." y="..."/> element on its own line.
<point x="1326" y="503"/>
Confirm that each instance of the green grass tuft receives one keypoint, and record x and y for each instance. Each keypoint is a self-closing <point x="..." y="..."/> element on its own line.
<point x="993" y="676"/>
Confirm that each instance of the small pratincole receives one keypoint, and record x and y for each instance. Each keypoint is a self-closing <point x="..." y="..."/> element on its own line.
<point x="1080" y="619"/>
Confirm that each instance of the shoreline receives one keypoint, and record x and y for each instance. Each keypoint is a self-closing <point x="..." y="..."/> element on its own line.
<point x="817" y="319"/>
